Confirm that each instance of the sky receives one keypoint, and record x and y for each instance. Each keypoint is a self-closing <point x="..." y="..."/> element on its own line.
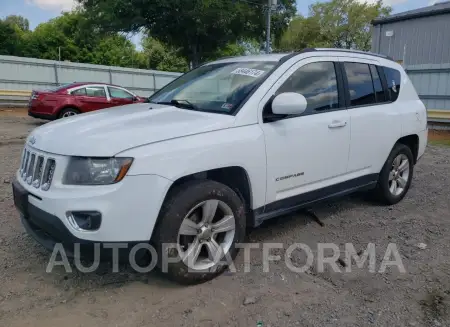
<point x="39" y="11"/>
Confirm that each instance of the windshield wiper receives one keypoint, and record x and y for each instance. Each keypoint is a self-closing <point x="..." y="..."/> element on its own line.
<point x="180" y="104"/>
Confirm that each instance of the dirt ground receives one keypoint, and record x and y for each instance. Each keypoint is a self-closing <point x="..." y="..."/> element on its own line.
<point x="420" y="297"/>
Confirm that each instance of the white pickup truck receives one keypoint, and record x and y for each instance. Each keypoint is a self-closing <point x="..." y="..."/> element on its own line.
<point x="222" y="148"/>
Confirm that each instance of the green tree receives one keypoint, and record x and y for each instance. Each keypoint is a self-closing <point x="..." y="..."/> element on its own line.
<point x="336" y="24"/>
<point x="158" y="56"/>
<point x="198" y="28"/>
<point x="20" y="21"/>
<point x="229" y="50"/>
<point x="115" y="50"/>
<point x="303" y="32"/>
<point x="11" y="42"/>
<point x="70" y="36"/>
<point x="346" y="23"/>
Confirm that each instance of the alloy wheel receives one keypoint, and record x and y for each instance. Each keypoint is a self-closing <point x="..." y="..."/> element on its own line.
<point x="206" y="234"/>
<point x="68" y="114"/>
<point x="399" y="174"/>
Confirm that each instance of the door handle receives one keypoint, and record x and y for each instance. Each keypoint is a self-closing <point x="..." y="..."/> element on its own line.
<point x="337" y="124"/>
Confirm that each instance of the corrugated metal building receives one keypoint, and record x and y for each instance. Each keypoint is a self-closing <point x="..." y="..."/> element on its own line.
<point x="420" y="40"/>
<point x="415" y="37"/>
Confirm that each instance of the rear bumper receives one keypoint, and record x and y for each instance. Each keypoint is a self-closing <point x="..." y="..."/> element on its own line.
<point x="423" y="141"/>
<point x="37" y="109"/>
<point x="41" y="116"/>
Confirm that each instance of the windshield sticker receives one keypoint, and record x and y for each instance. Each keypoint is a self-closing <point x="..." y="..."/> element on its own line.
<point x="248" y="72"/>
<point x="227" y="106"/>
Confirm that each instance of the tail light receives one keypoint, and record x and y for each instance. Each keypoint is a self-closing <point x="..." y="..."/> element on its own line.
<point x="37" y="96"/>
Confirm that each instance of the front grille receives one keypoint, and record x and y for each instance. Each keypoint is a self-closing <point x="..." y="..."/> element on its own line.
<point x="37" y="169"/>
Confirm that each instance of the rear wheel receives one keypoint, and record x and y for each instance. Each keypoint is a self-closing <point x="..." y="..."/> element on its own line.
<point x="396" y="176"/>
<point x="199" y="226"/>
<point x="68" y="112"/>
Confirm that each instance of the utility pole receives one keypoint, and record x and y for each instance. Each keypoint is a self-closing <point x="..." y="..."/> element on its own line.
<point x="270" y="5"/>
<point x="269" y="12"/>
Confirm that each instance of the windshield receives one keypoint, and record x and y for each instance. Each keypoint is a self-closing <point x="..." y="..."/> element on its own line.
<point x="217" y="87"/>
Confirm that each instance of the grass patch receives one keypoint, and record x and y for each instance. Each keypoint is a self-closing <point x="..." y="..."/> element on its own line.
<point x="439" y="142"/>
<point x="439" y="137"/>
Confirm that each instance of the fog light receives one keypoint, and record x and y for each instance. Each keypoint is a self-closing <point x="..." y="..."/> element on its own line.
<point x="88" y="221"/>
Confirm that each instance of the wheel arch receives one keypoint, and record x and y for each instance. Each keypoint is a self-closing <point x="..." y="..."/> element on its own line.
<point x="235" y="177"/>
<point x="411" y="141"/>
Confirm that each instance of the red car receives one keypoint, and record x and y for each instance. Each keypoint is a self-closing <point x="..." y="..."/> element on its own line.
<point x="76" y="98"/>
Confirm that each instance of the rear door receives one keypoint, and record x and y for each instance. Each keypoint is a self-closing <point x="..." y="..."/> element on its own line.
<point x="92" y="97"/>
<point x="375" y="123"/>
<point x="119" y="96"/>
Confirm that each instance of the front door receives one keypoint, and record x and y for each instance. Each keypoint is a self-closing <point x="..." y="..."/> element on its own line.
<point x="94" y="99"/>
<point x="119" y="97"/>
<point x="309" y="151"/>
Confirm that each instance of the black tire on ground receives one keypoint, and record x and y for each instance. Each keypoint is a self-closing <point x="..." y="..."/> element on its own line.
<point x="176" y="206"/>
<point x="382" y="193"/>
<point x="68" y="110"/>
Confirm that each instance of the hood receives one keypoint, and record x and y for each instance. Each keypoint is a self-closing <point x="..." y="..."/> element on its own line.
<point x="110" y="131"/>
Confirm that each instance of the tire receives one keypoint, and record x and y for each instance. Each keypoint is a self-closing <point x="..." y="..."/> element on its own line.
<point x="190" y="200"/>
<point x="385" y="192"/>
<point x="67" y="112"/>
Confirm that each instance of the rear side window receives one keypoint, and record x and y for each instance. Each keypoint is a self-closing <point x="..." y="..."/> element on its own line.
<point x="317" y="83"/>
<point x="360" y="85"/>
<point x="377" y="85"/>
<point x="393" y="82"/>
<point x="79" y="91"/>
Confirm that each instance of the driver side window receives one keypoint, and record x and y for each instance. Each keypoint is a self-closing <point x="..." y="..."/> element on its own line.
<point x="116" y="93"/>
<point x="317" y="82"/>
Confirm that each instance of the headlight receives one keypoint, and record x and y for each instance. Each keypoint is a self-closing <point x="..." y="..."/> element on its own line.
<point x="96" y="171"/>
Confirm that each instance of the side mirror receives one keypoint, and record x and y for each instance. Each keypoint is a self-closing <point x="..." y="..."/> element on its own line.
<point x="289" y="103"/>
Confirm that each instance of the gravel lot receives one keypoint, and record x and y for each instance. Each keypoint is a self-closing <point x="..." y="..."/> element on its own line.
<point x="420" y="297"/>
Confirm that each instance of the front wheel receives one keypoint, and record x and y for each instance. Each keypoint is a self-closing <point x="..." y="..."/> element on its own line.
<point x="396" y="176"/>
<point x="198" y="229"/>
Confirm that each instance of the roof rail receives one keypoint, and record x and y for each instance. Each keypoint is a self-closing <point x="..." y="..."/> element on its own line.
<point x="356" y="51"/>
<point x="336" y="50"/>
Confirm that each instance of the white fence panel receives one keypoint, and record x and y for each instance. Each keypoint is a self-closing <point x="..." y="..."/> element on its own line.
<point x="26" y="74"/>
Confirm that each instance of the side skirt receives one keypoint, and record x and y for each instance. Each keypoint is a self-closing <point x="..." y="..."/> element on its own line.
<point x="288" y="205"/>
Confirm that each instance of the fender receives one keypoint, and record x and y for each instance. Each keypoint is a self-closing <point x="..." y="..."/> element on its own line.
<point x="176" y="158"/>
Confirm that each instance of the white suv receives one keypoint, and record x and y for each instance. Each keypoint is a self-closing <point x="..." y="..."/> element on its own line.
<point x="223" y="147"/>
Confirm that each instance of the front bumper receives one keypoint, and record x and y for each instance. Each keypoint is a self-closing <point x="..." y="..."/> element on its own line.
<point x="129" y="212"/>
<point x="48" y="231"/>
